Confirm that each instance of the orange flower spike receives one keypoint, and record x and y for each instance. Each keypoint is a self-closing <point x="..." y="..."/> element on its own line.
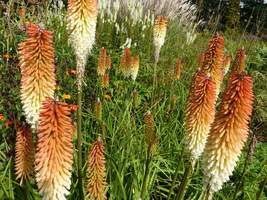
<point x="101" y="67"/>
<point x="38" y="79"/>
<point x="82" y="18"/>
<point x="226" y="63"/>
<point x="200" y="113"/>
<point x="178" y="69"/>
<point x="54" y="151"/>
<point x="24" y="153"/>
<point x="229" y="131"/>
<point x="108" y="62"/>
<point x="240" y="60"/>
<point x="213" y="60"/>
<point x="96" y="186"/>
<point x="105" y="81"/>
<point x="125" y="63"/>
<point x="134" y="67"/>
<point x="159" y="33"/>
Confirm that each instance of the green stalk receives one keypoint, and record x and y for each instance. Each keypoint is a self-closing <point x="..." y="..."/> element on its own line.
<point x="185" y="181"/>
<point x="176" y="175"/>
<point x="148" y="160"/>
<point x="263" y="184"/>
<point x="79" y="141"/>
<point x="207" y="194"/>
<point x="154" y="83"/>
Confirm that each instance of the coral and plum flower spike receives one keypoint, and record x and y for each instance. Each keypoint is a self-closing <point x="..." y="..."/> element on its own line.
<point x="82" y="17"/>
<point x="36" y="60"/>
<point x="229" y="131"/>
<point x="96" y="186"/>
<point x="54" y="151"/>
<point x="159" y="33"/>
<point x="213" y="60"/>
<point x="200" y="113"/>
<point x="24" y="153"/>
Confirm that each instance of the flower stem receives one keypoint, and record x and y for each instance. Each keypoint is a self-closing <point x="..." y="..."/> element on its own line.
<point x="175" y="176"/>
<point x="185" y="181"/>
<point x="79" y="141"/>
<point x="148" y="160"/>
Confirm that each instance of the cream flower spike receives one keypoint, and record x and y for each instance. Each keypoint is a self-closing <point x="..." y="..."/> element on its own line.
<point x="36" y="60"/>
<point x="82" y="18"/>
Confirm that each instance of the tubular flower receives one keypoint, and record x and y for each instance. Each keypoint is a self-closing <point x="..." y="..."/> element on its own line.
<point x="226" y="63"/>
<point x="159" y="33"/>
<point x="53" y="161"/>
<point x="96" y="186"/>
<point x="24" y="153"/>
<point x="82" y="17"/>
<point x="178" y="69"/>
<point x="229" y="131"/>
<point x="134" y="67"/>
<point x="213" y="60"/>
<point x="125" y="62"/>
<point x="101" y="67"/>
<point x="36" y="60"/>
<point x="200" y="113"/>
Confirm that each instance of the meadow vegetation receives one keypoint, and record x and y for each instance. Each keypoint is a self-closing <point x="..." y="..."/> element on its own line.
<point x="136" y="145"/>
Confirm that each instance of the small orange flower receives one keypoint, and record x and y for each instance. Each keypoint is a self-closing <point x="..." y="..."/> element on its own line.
<point x="2" y="117"/>
<point x="7" y="56"/>
<point x="71" y="72"/>
<point x="22" y="12"/>
<point x="73" y="107"/>
<point x="125" y="63"/>
<point x="66" y="96"/>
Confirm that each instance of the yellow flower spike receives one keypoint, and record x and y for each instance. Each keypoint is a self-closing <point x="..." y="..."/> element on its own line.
<point x="36" y="60"/>
<point x="229" y="131"/>
<point x="82" y="18"/>
<point x="24" y="153"/>
<point x="96" y="186"/>
<point x="159" y="34"/>
<point x="200" y="113"/>
<point x="54" y="151"/>
<point x="101" y="67"/>
<point x="213" y="60"/>
<point x="134" y="67"/>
